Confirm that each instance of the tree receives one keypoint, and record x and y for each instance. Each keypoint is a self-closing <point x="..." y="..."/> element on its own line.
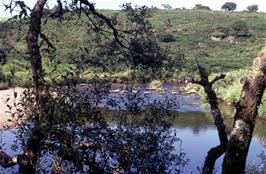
<point x="49" y="127"/>
<point x="236" y="146"/>
<point x="229" y="6"/>
<point x="201" y="7"/>
<point x="167" y="6"/>
<point x="252" y="8"/>
<point x="54" y="109"/>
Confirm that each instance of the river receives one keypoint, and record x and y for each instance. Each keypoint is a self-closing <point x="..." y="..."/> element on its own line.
<point x="193" y="125"/>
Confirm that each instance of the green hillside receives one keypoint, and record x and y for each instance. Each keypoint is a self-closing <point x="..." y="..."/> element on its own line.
<point x="194" y="29"/>
<point x="225" y="42"/>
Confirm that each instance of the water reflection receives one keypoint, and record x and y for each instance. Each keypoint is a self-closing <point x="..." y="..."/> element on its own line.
<point x="75" y="136"/>
<point x="136" y="136"/>
<point x="199" y="135"/>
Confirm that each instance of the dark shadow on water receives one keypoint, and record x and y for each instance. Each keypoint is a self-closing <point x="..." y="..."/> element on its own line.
<point x="78" y="136"/>
<point x="132" y="134"/>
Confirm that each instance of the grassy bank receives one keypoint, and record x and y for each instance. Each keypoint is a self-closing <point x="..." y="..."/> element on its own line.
<point x="228" y="90"/>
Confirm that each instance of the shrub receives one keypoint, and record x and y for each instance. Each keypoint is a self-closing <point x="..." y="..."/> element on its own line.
<point x="240" y="29"/>
<point x="223" y="29"/>
<point x="3" y="56"/>
<point x="167" y="38"/>
<point x="4" y="85"/>
<point x="232" y="92"/>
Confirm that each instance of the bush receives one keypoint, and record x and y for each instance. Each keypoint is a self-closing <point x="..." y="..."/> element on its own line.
<point x="4" y="81"/>
<point x="223" y="29"/>
<point x="228" y="89"/>
<point x="240" y="29"/>
<point x="167" y="38"/>
<point x="232" y="92"/>
<point x="4" y="85"/>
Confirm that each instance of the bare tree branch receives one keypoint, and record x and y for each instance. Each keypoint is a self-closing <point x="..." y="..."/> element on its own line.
<point x="221" y="76"/>
<point x="216" y="152"/>
<point x="47" y="41"/>
<point x="107" y="21"/>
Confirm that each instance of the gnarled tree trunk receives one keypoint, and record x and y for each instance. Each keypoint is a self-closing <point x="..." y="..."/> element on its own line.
<point x="215" y="152"/>
<point x="27" y="160"/>
<point x="236" y="148"/>
<point x="245" y="118"/>
<point x="33" y="46"/>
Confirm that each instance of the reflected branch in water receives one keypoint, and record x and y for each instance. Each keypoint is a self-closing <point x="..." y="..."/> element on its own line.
<point x="77" y="135"/>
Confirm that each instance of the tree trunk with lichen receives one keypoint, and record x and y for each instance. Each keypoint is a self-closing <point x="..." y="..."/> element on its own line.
<point x="236" y="148"/>
<point x="245" y="118"/>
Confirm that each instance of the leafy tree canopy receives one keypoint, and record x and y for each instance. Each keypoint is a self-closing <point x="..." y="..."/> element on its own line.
<point x="201" y="7"/>
<point x="229" y="6"/>
<point x="252" y="8"/>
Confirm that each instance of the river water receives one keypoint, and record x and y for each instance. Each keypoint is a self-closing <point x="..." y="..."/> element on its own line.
<point x="194" y="126"/>
<point x="199" y="136"/>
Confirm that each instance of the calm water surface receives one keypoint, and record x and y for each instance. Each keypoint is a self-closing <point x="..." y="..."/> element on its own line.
<point x="197" y="140"/>
<point x="193" y="126"/>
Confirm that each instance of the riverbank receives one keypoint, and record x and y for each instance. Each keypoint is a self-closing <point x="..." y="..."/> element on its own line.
<point x="170" y="88"/>
<point x="8" y="98"/>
